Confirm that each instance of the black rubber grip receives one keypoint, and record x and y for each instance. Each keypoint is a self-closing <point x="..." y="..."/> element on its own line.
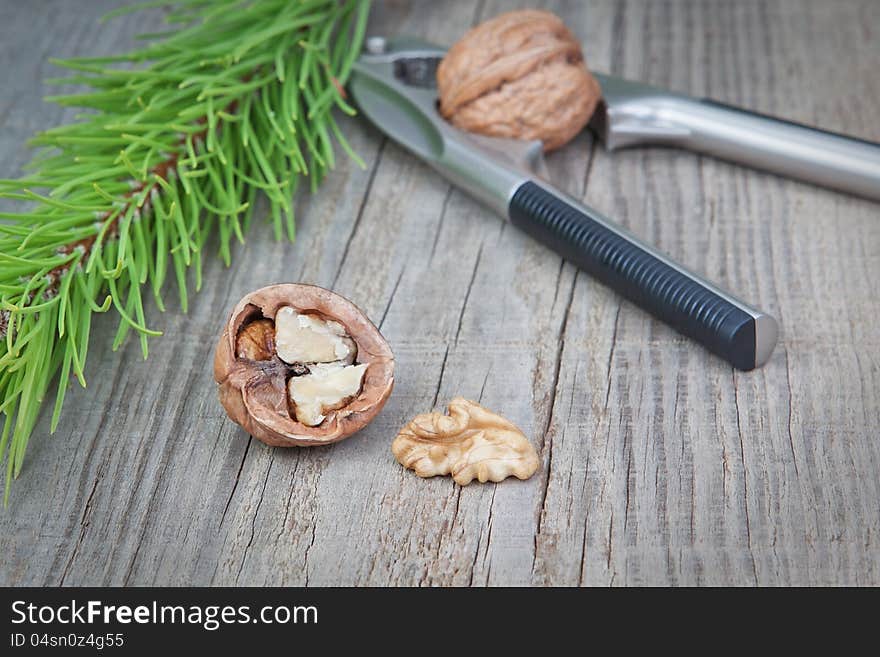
<point x="671" y="295"/>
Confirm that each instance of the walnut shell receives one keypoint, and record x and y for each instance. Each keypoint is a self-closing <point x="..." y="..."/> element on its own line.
<point x="254" y="392"/>
<point x="519" y="75"/>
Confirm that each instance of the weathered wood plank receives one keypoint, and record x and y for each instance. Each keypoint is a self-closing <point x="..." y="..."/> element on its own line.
<point x="660" y="465"/>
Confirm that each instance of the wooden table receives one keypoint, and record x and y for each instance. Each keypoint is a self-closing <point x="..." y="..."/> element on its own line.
<point x="659" y="463"/>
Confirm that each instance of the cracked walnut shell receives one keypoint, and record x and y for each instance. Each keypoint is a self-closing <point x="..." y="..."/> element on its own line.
<point x="520" y="75"/>
<point x="300" y="365"/>
<point x="469" y="443"/>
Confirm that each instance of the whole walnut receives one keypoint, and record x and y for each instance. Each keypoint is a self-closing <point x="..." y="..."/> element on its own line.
<point x="519" y="75"/>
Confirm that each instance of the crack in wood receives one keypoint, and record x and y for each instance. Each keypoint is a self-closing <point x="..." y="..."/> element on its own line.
<point x="309" y="548"/>
<point x="467" y="294"/>
<point x="586" y="531"/>
<point x="742" y="453"/>
<point x="457" y="501"/>
<point x="250" y="542"/>
<point x="289" y="498"/>
<point x="158" y="476"/>
<point x="361" y="208"/>
<point x="547" y="444"/>
<point x="610" y="542"/>
<point x="235" y="483"/>
<point x="83" y="523"/>
<point x="391" y="298"/>
<point x="440" y="223"/>
<point x="488" y="542"/>
<point x="476" y="556"/>
<point x="627" y="493"/>
<point x="478" y="13"/>
<point x="790" y="404"/>
<point x="610" y="359"/>
<point x="483" y="387"/>
<point x="440" y="378"/>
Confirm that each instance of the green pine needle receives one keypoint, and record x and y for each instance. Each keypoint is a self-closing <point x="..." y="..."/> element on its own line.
<point x="177" y="139"/>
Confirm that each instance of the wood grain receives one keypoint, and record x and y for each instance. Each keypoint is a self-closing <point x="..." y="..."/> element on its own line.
<point x="660" y="464"/>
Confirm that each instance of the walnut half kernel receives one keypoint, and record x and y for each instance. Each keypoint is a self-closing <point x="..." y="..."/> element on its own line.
<point x="470" y="442"/>
<point x="256" y="341"/>
<point x="320" y="353"/>
<point x="304" y="338"/>
<point x="326" y="387"/>
<point x="300" y="365"/>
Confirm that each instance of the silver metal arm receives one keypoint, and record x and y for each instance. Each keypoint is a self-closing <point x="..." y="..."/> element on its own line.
<point x="634" y="113"/>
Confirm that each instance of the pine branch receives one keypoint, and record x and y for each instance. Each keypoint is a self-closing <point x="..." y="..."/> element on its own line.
<point x="178" y="139"/>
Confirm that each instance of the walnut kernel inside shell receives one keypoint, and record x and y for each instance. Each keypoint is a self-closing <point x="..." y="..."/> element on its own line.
<point x="519" y="75"/>
<point x="300" y="365"/>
